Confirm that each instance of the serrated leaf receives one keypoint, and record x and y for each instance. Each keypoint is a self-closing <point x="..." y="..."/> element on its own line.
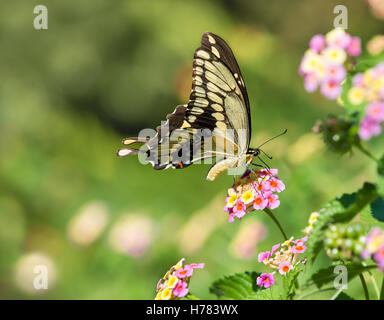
<point x="241" y="286"/>
<point x="377" y="208"/>
<point x="342" y="209"/>
<point x="327" y="275"/>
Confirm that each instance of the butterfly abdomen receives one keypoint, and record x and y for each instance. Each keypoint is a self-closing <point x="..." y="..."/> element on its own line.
<point x="221" y="166"/>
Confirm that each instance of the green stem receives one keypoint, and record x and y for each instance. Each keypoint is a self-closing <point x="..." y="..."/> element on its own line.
<point x="366" y="151"/>
<point x="382" y="290"/>
<point x="191" y="297"/>
<point x="366" y="293"/>
<point x="269" y="212"/>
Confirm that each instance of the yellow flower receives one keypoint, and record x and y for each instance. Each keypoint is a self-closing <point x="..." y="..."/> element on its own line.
<point x="376" y="243"/>
<point x="158" y="295"/>
<point x="356" y="95"/>
<point x="231" y="191"/>
<point x="231" y="201"/>
<point x="166" y="294"/>
<point x="335" y="34"/>
<point x="288" y="242"/>
<point x="247" y="197"/>
<point x="179" y="264"/>
<point x="313" y="217"/>
<point x="172" y="282"/>
<point x="312" y="63"/>
<point x="334" y="55"/>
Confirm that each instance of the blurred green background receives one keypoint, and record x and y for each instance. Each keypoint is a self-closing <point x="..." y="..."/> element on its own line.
<point x="109" y="228"/>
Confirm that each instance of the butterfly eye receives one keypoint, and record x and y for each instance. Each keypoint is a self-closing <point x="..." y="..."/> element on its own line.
<point x="256" y="152"/>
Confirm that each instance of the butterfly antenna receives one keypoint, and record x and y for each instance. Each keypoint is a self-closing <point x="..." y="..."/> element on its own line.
<point x="267" y="166"/>
<point x="284" y="132"/>
<point x="268" y="156"/>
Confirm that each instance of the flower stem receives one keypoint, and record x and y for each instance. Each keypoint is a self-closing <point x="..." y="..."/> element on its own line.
<point x="382" y="290"/>
<point x="191" y="297"/>
<point x="366" y="151"/>
<point x="366" y="293"/>
<point x="269" y="212"/>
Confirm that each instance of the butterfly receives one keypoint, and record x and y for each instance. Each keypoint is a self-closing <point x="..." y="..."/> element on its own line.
<point x="214" y="124"/>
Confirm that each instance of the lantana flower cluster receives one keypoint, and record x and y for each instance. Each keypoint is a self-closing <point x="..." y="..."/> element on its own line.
<point x="323" y="64"/>
<point x="369" y="87"/>
<point x="255" y="190"/>
<point x="374" y="247"/>
<point x="283" y="258"/>
<point x="174" y="284"/>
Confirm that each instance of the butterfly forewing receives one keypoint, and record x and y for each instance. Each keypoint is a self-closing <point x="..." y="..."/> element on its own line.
<point x="217" y="111"/>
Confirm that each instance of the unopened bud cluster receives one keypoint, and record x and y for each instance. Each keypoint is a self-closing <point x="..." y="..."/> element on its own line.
<point x="344" y="242"/>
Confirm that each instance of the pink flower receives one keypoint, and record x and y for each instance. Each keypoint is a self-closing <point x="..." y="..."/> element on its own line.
<point x="185" y="272"/>
<point x="317" y="42"/>
<point x="265" y="280"/>
<point x="275" y="247"/>
<point x="302" y="240"/>
<point x="276" y="185"/>
<point x="197" y="265"/>
<point x="336" y="73"/>
<point x="379" y="256"/>
<point x="263" y="256"/>
<point x="273" y="201"/>
<point x="311" y="82"/>
<point x="331" y="89"/>
<point x="260" y="202"/>
<point x="181" y="289"/>
<point x="239" y="209"/>
<point x="375" y="110"/>
<point x="261" y="186"/>
<point x="284" y="267"/>
<point x="358" y="80"/>
<point x="354" y="47"/>
<point x="299" y="248"/>
<point x="159" y="285"/>
<point x="369" y="127"/>
<point x="340" y="39"/>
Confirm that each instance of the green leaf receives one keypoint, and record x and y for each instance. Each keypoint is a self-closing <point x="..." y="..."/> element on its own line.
<point x="290" y="280"/>
<point x="368" y="62"/>
<point x="342" y="209"/>
<point x="377" y="207"/>
<point x="327" y="275"/>
<point x="380" y="175"/>
<point x="344" y="296"/>
<point x="241" y="286"/>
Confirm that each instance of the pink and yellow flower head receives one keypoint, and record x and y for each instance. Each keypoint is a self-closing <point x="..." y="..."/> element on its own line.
<point x="374" y="247"/>
<point x="284" y="257"/>
<point x="255" y="190"/>
<point x="323" y="65"/>
<point x="265" y="280"/>
<point x="174" y="284"/>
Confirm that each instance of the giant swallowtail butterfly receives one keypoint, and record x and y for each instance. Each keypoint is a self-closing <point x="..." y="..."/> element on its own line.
<point x="217" y="112"/>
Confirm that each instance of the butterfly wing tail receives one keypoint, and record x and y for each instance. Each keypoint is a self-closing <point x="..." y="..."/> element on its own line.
<point x="129" y="151"/>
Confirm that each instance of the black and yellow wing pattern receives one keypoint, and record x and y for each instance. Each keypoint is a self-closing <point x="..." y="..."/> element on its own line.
<point x="218" y="111"/>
